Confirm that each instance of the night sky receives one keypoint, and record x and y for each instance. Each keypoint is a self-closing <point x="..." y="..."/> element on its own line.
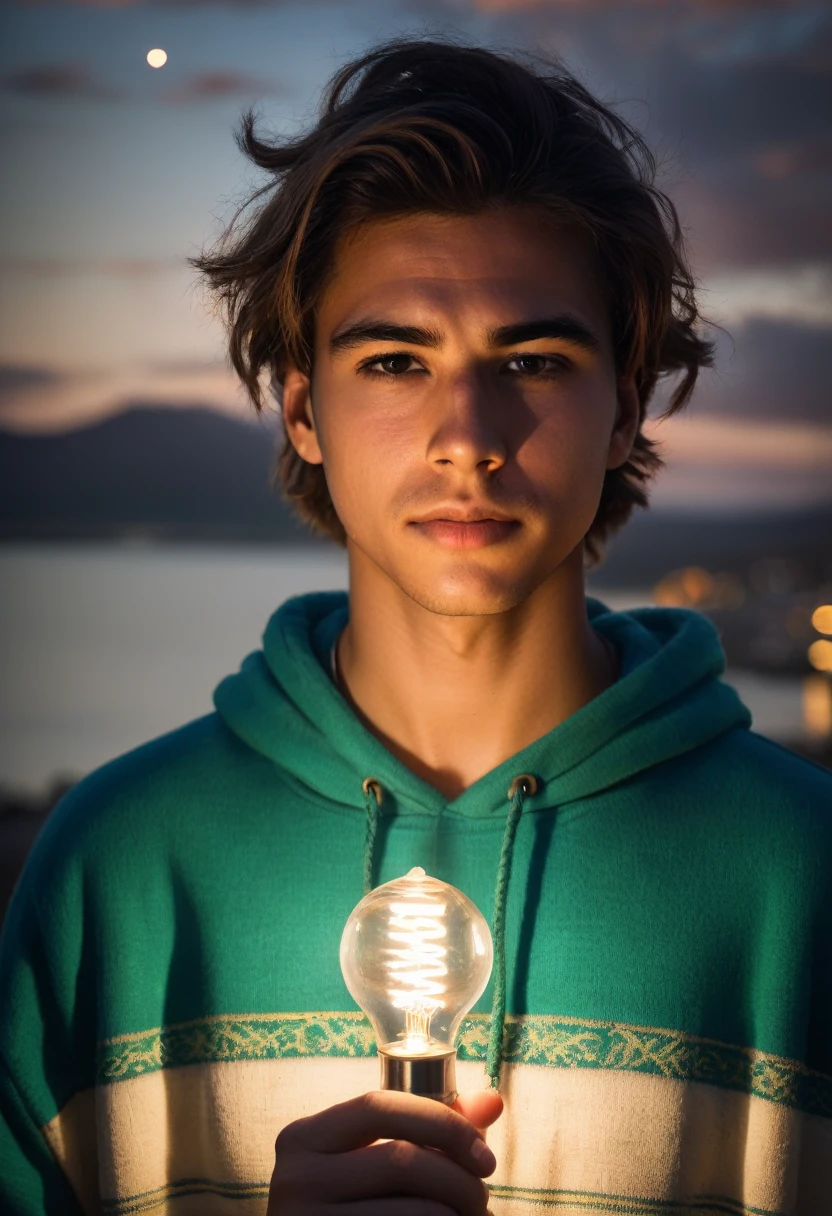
<point x="116" y="172"/>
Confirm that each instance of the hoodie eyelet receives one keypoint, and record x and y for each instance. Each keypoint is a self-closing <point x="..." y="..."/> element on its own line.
<point x="370" y="783"/>
<point x="528" y="782"/>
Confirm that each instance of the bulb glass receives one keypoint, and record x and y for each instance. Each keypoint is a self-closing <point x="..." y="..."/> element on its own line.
<point x="416" y="954"/>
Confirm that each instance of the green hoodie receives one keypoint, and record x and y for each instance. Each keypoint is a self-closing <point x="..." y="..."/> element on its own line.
<point x="172" y="994"/>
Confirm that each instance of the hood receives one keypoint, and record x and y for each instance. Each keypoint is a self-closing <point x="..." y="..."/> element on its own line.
<point x="667" y="700"/>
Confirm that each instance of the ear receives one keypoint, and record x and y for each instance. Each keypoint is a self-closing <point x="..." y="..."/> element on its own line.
<point x="297" y="416"/>
<point x="627" y="421"/>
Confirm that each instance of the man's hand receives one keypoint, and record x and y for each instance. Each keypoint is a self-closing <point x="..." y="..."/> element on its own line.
<point x="332" y="1163"/>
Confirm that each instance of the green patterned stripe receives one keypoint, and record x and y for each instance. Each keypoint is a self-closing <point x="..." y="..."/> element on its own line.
<point x="629" y="1205"/>
<point x="546" y="1040"/>
<point x="146" y="1201"/>
<point x="620" y="1205"/>
<point x="236" y="1037"/>
<point x="567" y="1043"/>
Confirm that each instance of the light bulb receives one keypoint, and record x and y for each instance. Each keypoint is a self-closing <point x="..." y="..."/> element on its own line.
<point x="416" y="955"/>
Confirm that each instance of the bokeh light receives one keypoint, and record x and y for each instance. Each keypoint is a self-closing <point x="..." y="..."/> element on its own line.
<point x="817" y="706"/>
<point x="820" y="655"/>
<point x="822" y="618"/>
<point x="695" y="587"/>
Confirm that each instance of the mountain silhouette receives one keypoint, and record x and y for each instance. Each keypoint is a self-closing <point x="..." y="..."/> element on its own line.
<point x="165" y="473"/>
<point x="150" y="470"/>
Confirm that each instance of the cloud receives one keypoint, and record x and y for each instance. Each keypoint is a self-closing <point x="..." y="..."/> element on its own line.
<point x="717" y="442"/>
<point x="768" y="373"/>
<point x="119" y="268"/>
<point x="706" y="5"/>
<point x="57" y="80"/>
<point x="741" y="224"/>
<point x="714" y="463"/>
<point x="744" y="110"/>
<point x="734" y="96"/>
<point x="691" y="11"/>
<point x="720" y="489"/>
<point x="773" y="370"/>
<point x="17" y="380"/>
<point x="177" y="4"/>
<point x="805" y="157"/>
<point x="737" y="104"/>
<point x="218" y="85"/>
<point x="75" y="80"/>
<point x="189" y="367"/>
<point x="44" y="400"/>
<point x="800" y="294"/>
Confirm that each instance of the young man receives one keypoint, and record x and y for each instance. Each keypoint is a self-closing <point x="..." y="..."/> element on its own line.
<point x="463" y="286"/>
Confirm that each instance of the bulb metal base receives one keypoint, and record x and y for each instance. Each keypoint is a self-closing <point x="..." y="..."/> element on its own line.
<point x="427" y="1076"/>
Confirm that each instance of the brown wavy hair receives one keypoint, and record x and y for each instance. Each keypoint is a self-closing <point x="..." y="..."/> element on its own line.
<point x="438" y="126"/>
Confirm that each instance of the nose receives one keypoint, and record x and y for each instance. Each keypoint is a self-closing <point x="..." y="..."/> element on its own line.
<point x="466" y="427"/>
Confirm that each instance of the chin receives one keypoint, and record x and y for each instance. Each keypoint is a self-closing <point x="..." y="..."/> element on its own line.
<point x="467" y="592"/>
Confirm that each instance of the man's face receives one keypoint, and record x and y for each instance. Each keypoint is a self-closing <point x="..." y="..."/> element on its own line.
<point x="463" y="365"/>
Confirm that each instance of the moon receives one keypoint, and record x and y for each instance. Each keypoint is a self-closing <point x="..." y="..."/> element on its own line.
<point x="157" y="58"/>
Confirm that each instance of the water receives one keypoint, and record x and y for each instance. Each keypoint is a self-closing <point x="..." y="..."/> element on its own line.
<point x="106" y="646"/>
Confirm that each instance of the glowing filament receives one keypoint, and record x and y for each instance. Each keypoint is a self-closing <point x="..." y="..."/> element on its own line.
<point x="417" y="966"/>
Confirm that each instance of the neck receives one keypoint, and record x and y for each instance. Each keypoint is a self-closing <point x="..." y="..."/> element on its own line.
<point x="453" y="697"/>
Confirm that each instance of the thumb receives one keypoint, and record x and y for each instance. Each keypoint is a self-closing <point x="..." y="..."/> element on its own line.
<point x="482" y="1107"/>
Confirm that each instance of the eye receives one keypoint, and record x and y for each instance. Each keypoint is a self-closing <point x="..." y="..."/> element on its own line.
<point x="395" y="364"/>
<point x="537" y="365"/>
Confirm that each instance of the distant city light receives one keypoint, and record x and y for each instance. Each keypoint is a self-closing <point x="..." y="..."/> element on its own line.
<point x="822" y="618"/>
<point x="820" y="655"/>
<point x="817" y="706"/>
<point x="157" y="58"/>
<point x="695" y="587"/>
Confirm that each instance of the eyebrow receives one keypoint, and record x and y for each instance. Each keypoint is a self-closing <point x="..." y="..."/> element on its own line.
<point x="370" y="329"/>
<point x="565" y="327"/>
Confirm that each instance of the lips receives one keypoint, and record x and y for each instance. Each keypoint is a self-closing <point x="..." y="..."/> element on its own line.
<point x="466" y="534"/>
<point x="468" y="514"/>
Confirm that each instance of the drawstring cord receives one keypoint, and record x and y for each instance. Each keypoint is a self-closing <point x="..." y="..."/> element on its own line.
<point x="521" y="786"/>
<point x="372" y="796"/>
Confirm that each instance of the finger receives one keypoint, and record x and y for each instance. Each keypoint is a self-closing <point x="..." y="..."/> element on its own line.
<point x="389" y="1115"/>
<point x="481" y="1107"/>
<point x="398" y="1167"/>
